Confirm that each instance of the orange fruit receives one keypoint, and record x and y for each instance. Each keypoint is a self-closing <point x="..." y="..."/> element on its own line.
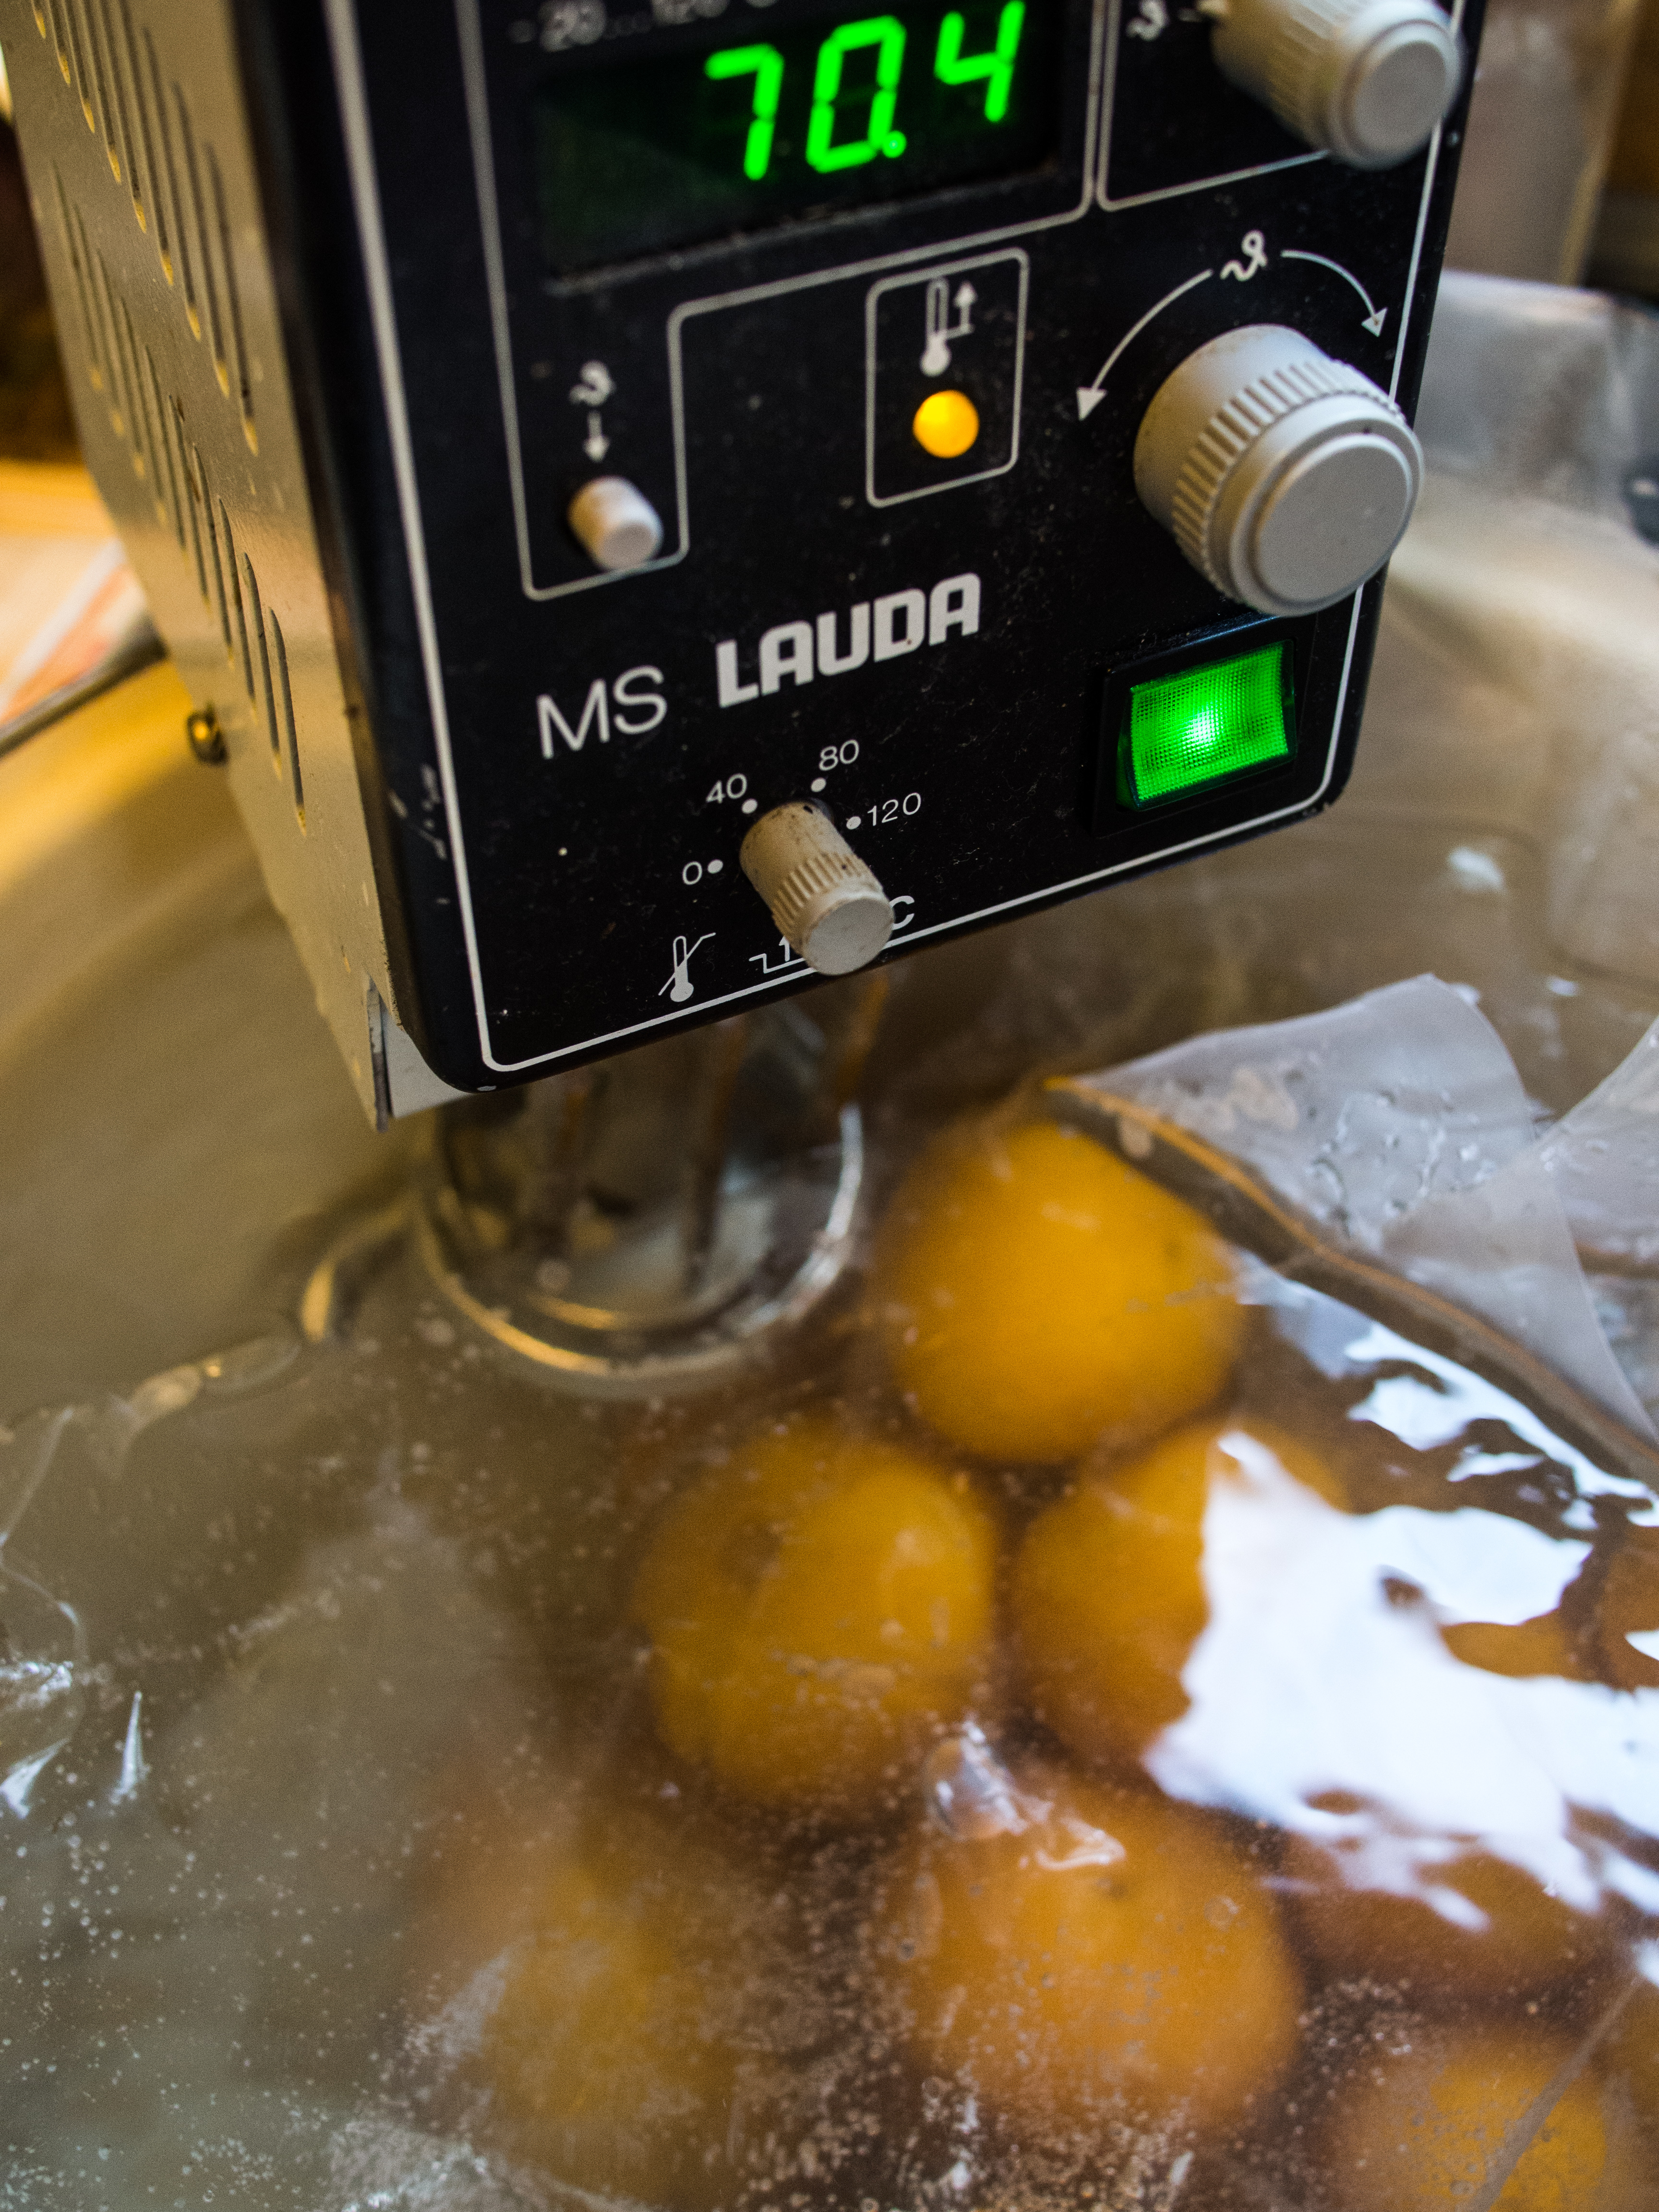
<point x="1034" y="1294"/>
<point x="1111" y="1959"/>
<point x="1630" y="1607"/>
<point x="1437" y="2124"/>
<point x="1545" y="1644"/>
<point x="1109" y="1593"/>
<point x="1510" y="1936"/>
<point x="1630" y="2058"/>
<point x="613" y="1987"/>
<point x="817" y="1610"/>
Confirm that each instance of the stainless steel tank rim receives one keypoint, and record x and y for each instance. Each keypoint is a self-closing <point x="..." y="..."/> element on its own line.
<point x="345" y="1268"/>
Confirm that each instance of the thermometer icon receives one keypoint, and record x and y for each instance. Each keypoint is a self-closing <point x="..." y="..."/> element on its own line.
<point x="680" y="986"/>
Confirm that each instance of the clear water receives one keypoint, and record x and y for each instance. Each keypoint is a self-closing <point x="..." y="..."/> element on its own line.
<point x="309" y="1648"/>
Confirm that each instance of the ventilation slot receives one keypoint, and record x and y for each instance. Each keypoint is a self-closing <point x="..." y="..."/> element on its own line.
<point x="227" y="257"/>
<point x="204" y="253"/>
<point x="167" y="201"/>
<point x="200" y="477"/>
<point x="288" y="730"/>
<point x="126" y="352"/>
<point x="101" y="81"/>
<point x="143" y="452"/>
<point x="174" y="180"/>
<point x="190" y="487"/>
<point x="82" y="86"/>
<point x="53" y="17"/>
<point x="257" y="624"/>
<point x="145" y="177"/>
<point x="100" y="331"/>
<point x="191" y="243"/>
<point x="122" y="116"/>
<point x="173" y="510"/>
<point x="162" y="446"/>
<point x="120" y="412"/>
<point x="94" y="351"/>
<point x="236" y="588"/>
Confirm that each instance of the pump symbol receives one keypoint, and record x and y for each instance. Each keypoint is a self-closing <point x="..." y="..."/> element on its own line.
<point x="595" y="385"/>
<point x="941" y="331"/>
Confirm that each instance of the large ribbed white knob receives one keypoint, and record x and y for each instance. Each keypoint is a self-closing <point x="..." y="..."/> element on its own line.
<point x="1286" y="478"/>
<point x="1368" y="80"/>
<point x="823" y="897"/>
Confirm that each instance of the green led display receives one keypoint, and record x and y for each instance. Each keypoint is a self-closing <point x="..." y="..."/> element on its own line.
<point x="643" y="145"/>
<point x="1201" y="725"/>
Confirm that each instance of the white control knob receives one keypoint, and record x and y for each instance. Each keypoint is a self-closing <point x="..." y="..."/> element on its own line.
<point x="1368" y="80"/>
<point x="1286" y="478"/>
<point x="616" y="524"/>
<point x="823" y="897"/>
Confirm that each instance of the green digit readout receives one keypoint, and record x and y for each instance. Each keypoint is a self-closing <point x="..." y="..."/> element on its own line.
<point x="766" y="65"/>
<point x="886" y="34"/>
<point x="644" y="146"/>
<point x="995" y="68"/>
<point x="834" y="100"/>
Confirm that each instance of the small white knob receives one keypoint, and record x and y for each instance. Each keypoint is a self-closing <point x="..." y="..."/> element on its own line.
<point x="1367" y="80"/>
<point x="823" y="897"/>
<point x="1286" y="478"/>
<point x="617" y="525"/>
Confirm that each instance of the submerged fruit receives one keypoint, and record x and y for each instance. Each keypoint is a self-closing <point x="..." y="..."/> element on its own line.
<point x="620" y="1992"/>
<point x="817" y="1610"/>
<point x="1438" y="2123"/>
<point x="1109" y="1958"/>
<point x="1627" y="1617"/>
<point x="1109" y="1593"/>
<point x="1472" y="1925"/>
<point x="1036" y="1294"/>
<point x="1545" y="1644"/>
<point x="1630" y="2059"/>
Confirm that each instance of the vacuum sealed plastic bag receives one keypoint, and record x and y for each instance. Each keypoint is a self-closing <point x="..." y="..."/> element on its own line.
<point x="1151" y="1697"/>
<point x="1399" y="1121"/>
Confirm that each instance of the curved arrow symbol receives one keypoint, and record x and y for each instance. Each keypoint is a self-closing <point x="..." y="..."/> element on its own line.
<point x="1089" y="395"/>
<point x="1373" y="317"/>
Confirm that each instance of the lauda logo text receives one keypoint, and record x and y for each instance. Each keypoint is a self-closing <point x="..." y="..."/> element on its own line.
<point x="882" y="629"/>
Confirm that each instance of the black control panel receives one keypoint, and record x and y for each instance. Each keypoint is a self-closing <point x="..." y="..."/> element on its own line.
<point x="867" y="311"/>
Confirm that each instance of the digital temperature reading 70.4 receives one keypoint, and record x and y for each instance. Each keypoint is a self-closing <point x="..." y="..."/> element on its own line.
<point x="637" y="157"/>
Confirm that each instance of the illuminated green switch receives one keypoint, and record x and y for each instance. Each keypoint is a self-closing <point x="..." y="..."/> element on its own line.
<point x="1200" y="725"/>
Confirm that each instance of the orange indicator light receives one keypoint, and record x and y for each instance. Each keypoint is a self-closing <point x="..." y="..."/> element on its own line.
<point x="946" y="424"/>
